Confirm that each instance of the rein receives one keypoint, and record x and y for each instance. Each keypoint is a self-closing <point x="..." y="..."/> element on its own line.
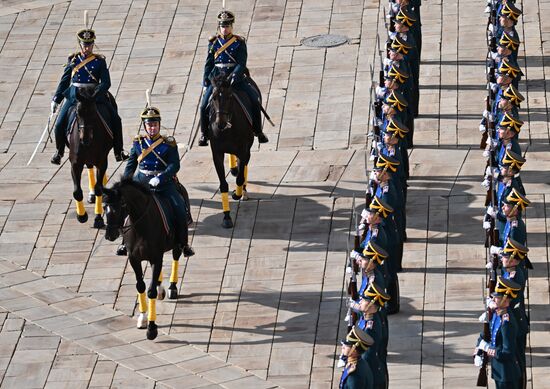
<point x="124" y="229"/>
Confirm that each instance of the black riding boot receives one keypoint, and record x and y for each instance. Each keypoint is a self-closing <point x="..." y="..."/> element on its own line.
<point x="59" y="144"/>
<point x="120" y="154"/>
<point x="257" y="124"/>
<point x="203" y="140"/>
<point x="122" y="250"/>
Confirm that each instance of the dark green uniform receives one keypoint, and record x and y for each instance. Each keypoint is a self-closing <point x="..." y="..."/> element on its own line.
<point x="373" y="327"/>
<point x="357" y="376"/>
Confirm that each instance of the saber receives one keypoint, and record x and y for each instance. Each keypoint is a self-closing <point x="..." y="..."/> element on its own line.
<point x="46" y="131"/>
<point x="266" y="115"/>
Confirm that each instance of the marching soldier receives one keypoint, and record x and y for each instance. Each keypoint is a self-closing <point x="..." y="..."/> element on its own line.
<point x="89" y="70"/>
<point x="157" y="159"/>
<point x="357" y="373"/>
<point x="227" y="55"/>
<point x="501" y="350"/>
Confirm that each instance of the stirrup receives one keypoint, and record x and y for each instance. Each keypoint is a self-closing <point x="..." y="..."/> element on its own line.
<point x="262" y="138"/>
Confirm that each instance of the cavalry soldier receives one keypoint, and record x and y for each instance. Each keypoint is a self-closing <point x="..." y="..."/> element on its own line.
<point x="227" y="55"/>
<point x="357" y="373"/>
<point x="158" y="161"/>
<point x="85" y="69"/>
<point x="505" y="368"/>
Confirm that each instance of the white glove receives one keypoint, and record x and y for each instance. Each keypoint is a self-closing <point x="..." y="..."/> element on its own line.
<point x="374" y="145"/>
<point x="495" y="250"/>
<point x="387" y="62"/>
<point x="485" y="113"/>
<point x="154" y="182"/>
<point x="361" y="228"/>
<point x="483" y="345"/>
<point x="489" y="265"/>
<point x="380" y="91"/>
<point x="54" y="106"/>
<point x="491" y="303"/>
<point x="482" y="128"/>
<point x="486" y="225"/>
<point x="478" y="361"/>
<point x="494" y="87"/>
<point x="341" y="363"/>
<point x="364" y="213"/>
<point x="491" y="211"/>
<point x="487" y="153"/>
<point x="349" y="270"/>
<point x="354" y="254"/>
<point x="483" y="317"/>
<point x="372" y="176"/>
<point x="490" y="27"/>
<point x="494" y="142"/>
<point x="494" y="56"/>
<point x="486" y="184"/>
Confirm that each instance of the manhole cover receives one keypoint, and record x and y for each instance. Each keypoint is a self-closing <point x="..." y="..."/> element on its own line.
<point x="326" y="40"/>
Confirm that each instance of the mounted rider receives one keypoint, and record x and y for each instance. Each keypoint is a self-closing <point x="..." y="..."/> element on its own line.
<point x="157" y="159"/>
<point x="227" y="56"/>
<point x="85" y="69"/>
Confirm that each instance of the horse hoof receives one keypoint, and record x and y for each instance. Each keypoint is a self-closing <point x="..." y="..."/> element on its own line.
<point x="91" y="198"/>
<point x="227" y="222"/>
<point x="161" y="293"/>
<point x="152" y="330"/>
<point x="236" y="196"/>
<point x="82" y="218"/>
<point x="245" y="196"/>
<point x="172" y="291"/>
<point x="142" y="321"/>
<point x="234" y="171"/>
<point x="98" y="222"/>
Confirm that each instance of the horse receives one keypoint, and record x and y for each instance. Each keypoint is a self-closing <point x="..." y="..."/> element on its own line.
<point x="90" y="141"/>
<point x="145" y="238"/>
<point x="230" y="132"/>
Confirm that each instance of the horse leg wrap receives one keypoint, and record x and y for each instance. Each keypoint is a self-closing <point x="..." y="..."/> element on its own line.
<point x="142" y="302"/>
<point x="239" y="190"/>
<point x="105" y="179"/>
<point x="152" y="316"/>
<point x="225" y="202"/>
<point x="232" y="161"/>
<point x="174" y="274"/>
<point x="245" y="175"/>
<point x="98" y="206"/>
<point x="160" y="277"/>
<point x="80" y="211"/>
<point x="91" y="180"/>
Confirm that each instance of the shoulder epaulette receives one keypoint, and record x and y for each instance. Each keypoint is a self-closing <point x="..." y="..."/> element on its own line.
<point x="212" y="38"/>
<point x="240" y="38"/>
<point x="170" y="140"/>
<point x="101" y="56"/>
<point x="138" y="137"/>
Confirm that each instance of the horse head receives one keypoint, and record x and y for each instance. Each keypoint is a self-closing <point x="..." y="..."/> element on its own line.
<point x="114" y="213"/>
<point x="221" y="102"/>
<point x="85" y="114"/>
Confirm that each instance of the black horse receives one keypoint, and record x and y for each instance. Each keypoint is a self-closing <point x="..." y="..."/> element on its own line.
<point x="230" y="132"/>
<point x="145" y="238"/>
<point x="90" y="140"/>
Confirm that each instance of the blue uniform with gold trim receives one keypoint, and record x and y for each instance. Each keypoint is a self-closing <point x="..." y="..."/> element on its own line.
<point x="228" y="56"/>
<point x="93" y="72"/>
<point x="163" y="162"/>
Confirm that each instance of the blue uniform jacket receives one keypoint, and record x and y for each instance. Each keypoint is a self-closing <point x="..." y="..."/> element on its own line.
<point x="235" y="54"/>
<point x="95" y="71"/>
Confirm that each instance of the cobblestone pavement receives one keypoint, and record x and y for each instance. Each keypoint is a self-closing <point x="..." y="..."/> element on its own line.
<point x="260" y="306"/>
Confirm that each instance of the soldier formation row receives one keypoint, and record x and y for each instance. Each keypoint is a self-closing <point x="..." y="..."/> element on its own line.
<point x="506" y="323"/>
<point x="381" y="231"/>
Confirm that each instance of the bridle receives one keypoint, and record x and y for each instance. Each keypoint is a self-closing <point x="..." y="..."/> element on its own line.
<point x="217" y="111"/>
<point x="124" y="211"/>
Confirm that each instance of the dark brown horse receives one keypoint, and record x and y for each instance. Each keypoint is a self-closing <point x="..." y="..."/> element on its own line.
<point x="230" y="132"/>
<point x="90" y="141"/>
<point x="146" y="239"/>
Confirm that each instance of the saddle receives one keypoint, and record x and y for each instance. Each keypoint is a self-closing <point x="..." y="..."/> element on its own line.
<point x="102" y="112"/>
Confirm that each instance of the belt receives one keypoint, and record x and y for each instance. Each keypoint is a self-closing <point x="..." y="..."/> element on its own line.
<point x="225" y="65"/>
<point x="150" y="172"/>
<point x="84" y="84"/>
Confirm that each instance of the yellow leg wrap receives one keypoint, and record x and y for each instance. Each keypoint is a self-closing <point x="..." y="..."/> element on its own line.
<point x="232" y="161"/>
<point x="80" y="210"/>
<point x="152" y="315"/>
<point x="91" y="179"/>
<point x="225" y="202"/>
<point x="98" y="206"/>
<point x="239" y="190"/>
<point x="142" y="302"/>
<point x="174" y="274"/>
<point x="105" y="179"/>
<point x="245" y="175"/>
<point x="160" y="277"/>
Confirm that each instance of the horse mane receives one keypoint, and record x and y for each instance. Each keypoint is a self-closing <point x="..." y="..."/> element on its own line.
<point x="128" y="181"/>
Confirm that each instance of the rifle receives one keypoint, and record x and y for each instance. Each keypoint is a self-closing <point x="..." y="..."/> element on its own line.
<point x="352" y="283"/>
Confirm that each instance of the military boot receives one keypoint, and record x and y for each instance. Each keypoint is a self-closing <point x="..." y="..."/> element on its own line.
<point x="56" y="158"/>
